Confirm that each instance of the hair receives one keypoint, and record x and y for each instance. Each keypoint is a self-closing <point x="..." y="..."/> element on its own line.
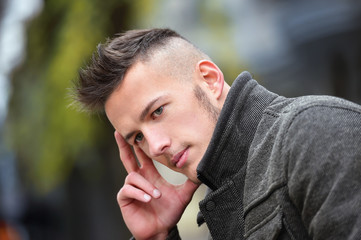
<point x="110" y="62"/>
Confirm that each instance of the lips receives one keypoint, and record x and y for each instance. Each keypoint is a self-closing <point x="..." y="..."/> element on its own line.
<point x="180" y="158"/>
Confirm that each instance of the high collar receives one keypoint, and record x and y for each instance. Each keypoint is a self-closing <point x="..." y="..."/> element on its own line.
<point x="228" y="149"/>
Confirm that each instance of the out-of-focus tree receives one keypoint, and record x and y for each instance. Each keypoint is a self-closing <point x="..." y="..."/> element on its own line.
<point x="48" y="135"/>
<point x="69" y="169"/>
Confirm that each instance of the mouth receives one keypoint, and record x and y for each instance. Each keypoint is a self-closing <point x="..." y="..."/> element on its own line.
<point x="180" y="158"/>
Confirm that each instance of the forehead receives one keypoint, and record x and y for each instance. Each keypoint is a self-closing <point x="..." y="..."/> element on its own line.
<point x="141" y="85"/>
<point x="143" y="80"/>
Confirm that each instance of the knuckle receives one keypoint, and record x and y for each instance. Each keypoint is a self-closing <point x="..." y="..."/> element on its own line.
<point x="122" y="196"/>
<point x="124" y="190"/>
<point x="124" y="193"/>
<point x="131" y="176"/>
<point x="119" y="195"/>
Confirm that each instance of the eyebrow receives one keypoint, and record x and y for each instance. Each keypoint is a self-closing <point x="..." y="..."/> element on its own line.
<point x="142" y="116"/>
<point x="147" y="108"/>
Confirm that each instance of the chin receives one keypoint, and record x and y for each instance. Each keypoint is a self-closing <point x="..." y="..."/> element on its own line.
<point x="196" y="181"/>
<point x="193" y="177"/>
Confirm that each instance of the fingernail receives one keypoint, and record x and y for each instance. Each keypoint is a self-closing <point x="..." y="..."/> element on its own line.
<point x="147" y="197"/>
<point x="156" y="193"/>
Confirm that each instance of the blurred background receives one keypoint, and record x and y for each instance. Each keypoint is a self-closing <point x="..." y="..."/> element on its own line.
<point x="59" y="169"/>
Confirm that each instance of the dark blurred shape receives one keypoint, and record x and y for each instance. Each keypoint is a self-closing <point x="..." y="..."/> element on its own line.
<point x="302" y="47"/>
<point x="2" y="3"/>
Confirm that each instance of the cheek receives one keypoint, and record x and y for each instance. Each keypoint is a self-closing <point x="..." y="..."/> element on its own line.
<point x="184" y="116"/>
<point x="181" y="127"/>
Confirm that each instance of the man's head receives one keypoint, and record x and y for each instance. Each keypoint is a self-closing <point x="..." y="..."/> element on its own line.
<point x="112" y="60"/>
<point x="160" y="93"/>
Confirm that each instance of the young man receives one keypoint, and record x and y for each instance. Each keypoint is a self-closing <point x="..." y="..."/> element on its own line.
<point x="277" y="168"/>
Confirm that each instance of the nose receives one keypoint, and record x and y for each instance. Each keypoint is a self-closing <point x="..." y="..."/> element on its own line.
<point x="158" y="142"/>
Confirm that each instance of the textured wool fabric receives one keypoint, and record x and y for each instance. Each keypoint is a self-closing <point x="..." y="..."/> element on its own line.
<point x="282" y="168"/>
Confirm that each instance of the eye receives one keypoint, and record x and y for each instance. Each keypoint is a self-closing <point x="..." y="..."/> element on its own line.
<point x="138" y="138"/>
<point x="158" y="112"/>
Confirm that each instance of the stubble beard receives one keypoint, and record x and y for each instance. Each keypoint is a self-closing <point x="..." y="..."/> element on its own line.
<point x="203" y="100"/>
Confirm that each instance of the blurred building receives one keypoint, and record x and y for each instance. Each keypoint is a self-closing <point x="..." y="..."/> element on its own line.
<point x="301" y="47"/>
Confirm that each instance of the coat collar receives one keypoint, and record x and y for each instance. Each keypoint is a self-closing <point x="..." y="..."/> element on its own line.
<point x="228" y="149"/>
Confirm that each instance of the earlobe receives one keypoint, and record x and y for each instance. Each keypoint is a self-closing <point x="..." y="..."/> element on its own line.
<point x="212" y="76"/>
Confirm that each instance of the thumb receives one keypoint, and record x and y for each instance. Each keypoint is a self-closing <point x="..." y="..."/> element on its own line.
<point x="187" y="189"/>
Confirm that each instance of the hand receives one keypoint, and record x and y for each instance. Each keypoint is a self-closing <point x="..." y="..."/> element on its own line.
<point x="149" y="204"/>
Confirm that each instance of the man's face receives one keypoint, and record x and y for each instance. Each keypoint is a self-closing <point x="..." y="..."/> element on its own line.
<point x="162" y="116"/>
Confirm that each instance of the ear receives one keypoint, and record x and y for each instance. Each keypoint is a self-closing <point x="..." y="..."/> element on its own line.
<point x="212" y="76"/>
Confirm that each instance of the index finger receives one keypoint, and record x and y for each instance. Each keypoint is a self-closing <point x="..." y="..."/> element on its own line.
<point x="126" y="154"/>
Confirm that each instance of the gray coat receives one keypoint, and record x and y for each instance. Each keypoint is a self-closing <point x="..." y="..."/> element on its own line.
<point x="282" y="168"/>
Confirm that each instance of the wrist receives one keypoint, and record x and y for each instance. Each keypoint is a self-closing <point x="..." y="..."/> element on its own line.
<point x="160" y="236"/>
<point x="173" y="234"/>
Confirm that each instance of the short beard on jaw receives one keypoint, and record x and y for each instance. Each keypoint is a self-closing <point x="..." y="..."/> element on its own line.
<point x="206" y="103"/>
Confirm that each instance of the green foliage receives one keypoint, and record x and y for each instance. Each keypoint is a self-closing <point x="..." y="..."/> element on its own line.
<point x="48" y="136"/>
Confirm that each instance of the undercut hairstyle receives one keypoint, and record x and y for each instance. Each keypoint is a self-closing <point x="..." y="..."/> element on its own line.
<point x="110" y="62"/>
